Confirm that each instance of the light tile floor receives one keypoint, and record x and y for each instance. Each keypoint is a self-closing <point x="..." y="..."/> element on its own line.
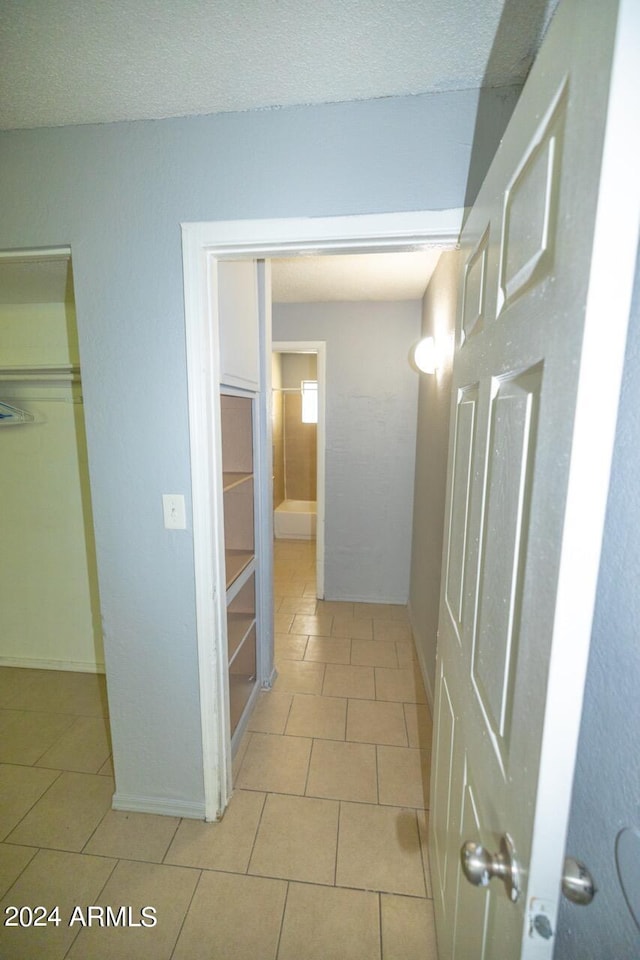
<point x="322" y="851"/>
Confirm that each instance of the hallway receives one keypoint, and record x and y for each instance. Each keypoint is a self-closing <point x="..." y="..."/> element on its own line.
<point x="322" y="851"/>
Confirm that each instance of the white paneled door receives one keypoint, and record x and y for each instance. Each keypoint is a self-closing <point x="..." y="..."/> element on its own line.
<point x="540" y="340"/>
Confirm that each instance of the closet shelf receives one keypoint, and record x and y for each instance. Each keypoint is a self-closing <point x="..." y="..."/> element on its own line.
<point x="235" y="562"/>
<point x="40" y="372"/>
<point x="231" y="480"/>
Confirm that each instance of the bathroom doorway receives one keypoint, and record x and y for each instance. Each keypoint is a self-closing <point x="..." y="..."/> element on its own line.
<point x="298" y="399"/>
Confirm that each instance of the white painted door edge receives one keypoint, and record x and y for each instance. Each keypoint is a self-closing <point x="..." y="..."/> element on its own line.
<point x="254" y="238"/>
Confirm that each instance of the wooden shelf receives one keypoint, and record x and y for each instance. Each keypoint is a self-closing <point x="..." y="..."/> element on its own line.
<point x="231" y="480"/>
<point x="239" y="534"/>
<point x="235" y="562"/>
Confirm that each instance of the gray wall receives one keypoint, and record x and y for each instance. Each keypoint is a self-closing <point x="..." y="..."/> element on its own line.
<point x="117" y="194"/>
<point x="371" y="397"/>
<point x="432" y="443"/>
<point x="606" y="792"/>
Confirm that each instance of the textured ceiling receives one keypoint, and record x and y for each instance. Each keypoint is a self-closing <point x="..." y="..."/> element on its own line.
<point x="376" y="276"/>
<point x="86" y="61"/>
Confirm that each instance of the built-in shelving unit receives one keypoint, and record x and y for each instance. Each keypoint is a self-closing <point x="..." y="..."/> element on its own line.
<point x="240" y="556"/>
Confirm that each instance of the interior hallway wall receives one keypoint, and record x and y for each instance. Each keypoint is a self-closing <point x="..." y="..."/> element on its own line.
<point x="117" y="194"/>
<point x="432" y="443"/>
<point x="370" y="423"/>
<point x="300" y="439"/>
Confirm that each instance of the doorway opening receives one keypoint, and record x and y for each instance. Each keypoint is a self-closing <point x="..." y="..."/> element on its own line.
<point x="299" y="445"/>
<point x="203" y="245"/>
<point x="51" y="611"/>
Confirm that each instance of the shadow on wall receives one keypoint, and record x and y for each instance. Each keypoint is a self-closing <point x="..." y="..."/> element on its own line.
<point x="489" y="126"/>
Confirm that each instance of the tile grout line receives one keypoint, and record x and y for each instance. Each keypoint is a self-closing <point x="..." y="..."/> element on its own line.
<point x="284" y="910"/>
<point x="255" y="836"/>
<point x="335" y="864"/>
<point x="116" y="861"/>
<point x="186" y="913"/>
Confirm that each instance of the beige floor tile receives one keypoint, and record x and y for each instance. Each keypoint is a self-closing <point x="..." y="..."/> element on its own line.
<point x="225" y="845"/>
<point x="322" y="717"/>
<point x="289" y="646"/>
<point x="133" y="836"/>
<point x="282" y="622"/>
<point x="314" y="626"/>
<point x="168" y="889"/>
<point x="419" y="725"/>
<point x="54" y="691"/>
<point x="376" y="721"/>
<point x="423" y="827"/>
<point x="391" y="630"/>
<point x="343" y="771"/>
<point x="404" y="685"/>
<point x="347" y="681"/>
<point x="374" y="653"/>
<point x="20" y="789"/>
<point x="382" y="611"/>
<point x="25" y="735"/>
<point x="322" y="923"/>
<point x="379" y="849"/>
<point x="14" y="683"/>
<point x="275" y="764"/>
<point x="297" y="839"/>
<point x="84" y="747"/>
<point x="299" y="676"/>
<point x="310" y="589"/>
<point x="355" y="628"/>
<point x="68" y="813"/>
<point x="233" y="918"/>
<point x="335" y="608"/>
<point x="298" y="605"/>
<point x="408" y="928"/>
<point x="406" y="653"/>
<point x="403" y="776"/>
<point x="286" y="587"/>
<point x="328" y="650"/>
<point x="270" y="712"/>
<point x="13" y="860"/>
<point x="53" y="879"/>
<point x="106" y="769"/>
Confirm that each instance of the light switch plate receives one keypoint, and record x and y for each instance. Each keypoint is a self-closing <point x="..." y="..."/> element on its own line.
<point x="175" y="515"/>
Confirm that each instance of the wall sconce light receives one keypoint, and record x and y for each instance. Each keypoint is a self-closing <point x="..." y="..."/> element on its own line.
<point x="424" y="356"/>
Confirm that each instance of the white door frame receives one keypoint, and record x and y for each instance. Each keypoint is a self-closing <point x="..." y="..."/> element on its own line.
<point x="234" y="239"/>
<point x="319" y="348"/>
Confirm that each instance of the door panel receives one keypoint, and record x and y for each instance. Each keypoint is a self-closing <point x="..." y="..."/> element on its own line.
<point x="464" y="437"/>
<point x="504" y="520"/>
<point x="531" y="205"/>
<point x="527" y="440"/>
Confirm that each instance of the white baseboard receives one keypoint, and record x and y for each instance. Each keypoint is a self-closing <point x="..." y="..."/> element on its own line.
<point x="421" y="663"/>
<point x="77" y="666"/>
<point x="165" y="807"/>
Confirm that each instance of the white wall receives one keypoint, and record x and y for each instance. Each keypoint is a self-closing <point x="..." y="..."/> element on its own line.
<point x="432" y="443"/>
<point x="371" y="407"/>
<point x="117" y="193"/>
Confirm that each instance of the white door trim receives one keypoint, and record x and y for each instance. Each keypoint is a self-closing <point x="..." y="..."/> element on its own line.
<point x="262" y="239"/>
<point x="319" y="347"/>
